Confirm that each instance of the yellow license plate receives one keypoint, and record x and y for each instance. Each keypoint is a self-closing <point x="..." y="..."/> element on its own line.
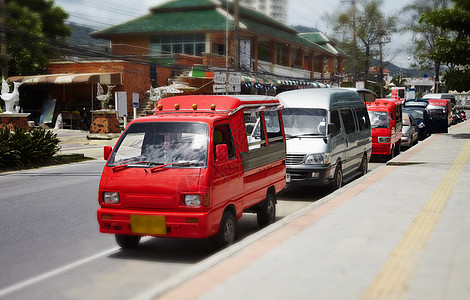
<point x="148" y="224"/>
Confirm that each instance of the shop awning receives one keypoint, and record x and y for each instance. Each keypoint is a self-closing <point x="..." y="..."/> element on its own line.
<point x="103" y="78"/>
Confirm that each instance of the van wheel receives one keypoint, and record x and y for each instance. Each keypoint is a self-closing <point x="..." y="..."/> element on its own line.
<point x="338" y="178"/>
<point x="364" y="165"/>
<point x="127" y="241"/>
<point x="227" y="231"/>
<point x="267" y="213"/>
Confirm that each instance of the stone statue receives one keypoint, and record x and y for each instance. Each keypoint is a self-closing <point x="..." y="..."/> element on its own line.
<point x="104" y="98"/>
<point x="10" y="98"/>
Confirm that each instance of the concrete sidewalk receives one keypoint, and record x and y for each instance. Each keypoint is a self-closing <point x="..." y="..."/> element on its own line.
<point x="400" y="232"/>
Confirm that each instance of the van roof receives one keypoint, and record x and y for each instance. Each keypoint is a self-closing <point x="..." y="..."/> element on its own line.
<point x="222" y="103"/>
<point x="439" y="96"/>
<point x="320" y="98"/>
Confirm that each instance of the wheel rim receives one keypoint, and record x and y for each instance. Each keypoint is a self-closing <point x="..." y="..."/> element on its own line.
<point x="229" y="231"/>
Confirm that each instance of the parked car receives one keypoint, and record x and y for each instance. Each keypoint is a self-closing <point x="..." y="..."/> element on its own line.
<point x="328" y="136"/>
<point x="449" y="96"/>
<point x="409" y="131"/>
<point x="417" y="108"/>
<point x="386" y="122"/>
<point x="440" y="113"/>
<point x="188" y="171"/>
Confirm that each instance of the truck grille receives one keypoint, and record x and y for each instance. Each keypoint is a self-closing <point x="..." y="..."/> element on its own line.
<point x="294" y="159"/>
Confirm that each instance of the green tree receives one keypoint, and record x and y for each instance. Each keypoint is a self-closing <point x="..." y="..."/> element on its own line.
<point x="398" y="80"/>
<point x="453" y="49"/>
<point x="372" y="28"/>
<point x="36" y="32"/>
<point x="424" y="35"/>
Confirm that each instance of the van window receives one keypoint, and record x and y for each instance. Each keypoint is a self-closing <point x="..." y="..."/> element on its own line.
<point x="379" y="119"/>
<point x="362" y="118"/>
<point x="159" y="143"/>
<point x="223" y="135"/>
<point x="334" y="116"/>
<point x="257" y="138"/>
<point x="348" y="121"/>
<point x="304" y="121"/>
<point x="273" y="126"/>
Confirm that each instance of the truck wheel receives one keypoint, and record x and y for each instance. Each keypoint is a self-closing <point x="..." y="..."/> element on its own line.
<point x="127" y="241"/>
<point x="267" y="213"/>
<point x="364" y="165"/>
<point x="227" y="231"/>
<point x="338" y="178"/>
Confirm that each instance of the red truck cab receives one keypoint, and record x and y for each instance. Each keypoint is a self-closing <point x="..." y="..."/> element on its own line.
<point x="188" y="171"/>
<point x="386" y="122"/>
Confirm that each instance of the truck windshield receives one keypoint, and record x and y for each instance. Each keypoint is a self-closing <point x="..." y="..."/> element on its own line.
<point x="437" y="111"/>
<point x="378" y="119"/>
<point x="304" y="121"/>
<point x="161" y="143"/>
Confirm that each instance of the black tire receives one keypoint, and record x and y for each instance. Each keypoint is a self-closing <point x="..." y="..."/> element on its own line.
<point x="392" y="153"/>
<point x="364" y="165"/>
<point x="267" y="212"/>
<point x="127" y="241"/>
<point x="337" y="182"/>
<point x="227" y="231"/>
<point x="397" y="150"/>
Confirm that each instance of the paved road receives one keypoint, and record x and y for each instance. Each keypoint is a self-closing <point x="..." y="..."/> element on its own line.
<point x="50" y="244"/>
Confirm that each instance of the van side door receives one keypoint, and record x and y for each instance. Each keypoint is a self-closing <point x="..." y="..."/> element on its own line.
<point x="353" y="156"/>
<point x="227" y="178"/>
<point x="337" y="141"/>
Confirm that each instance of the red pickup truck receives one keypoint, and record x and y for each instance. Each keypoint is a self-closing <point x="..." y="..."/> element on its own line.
<point x="386" y="122"/>
<point x="189" y="171"/>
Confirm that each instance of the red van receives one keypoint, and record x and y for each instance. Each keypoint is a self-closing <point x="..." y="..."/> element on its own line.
<point x="188" y="171"/>
<point x="440" y="113"/>
<point x="386" y="121"/>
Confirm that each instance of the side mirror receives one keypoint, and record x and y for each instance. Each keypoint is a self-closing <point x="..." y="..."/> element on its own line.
<point x="107" y="152"/>
<point x="331" y="128"/>
<point x="221" y="153"/>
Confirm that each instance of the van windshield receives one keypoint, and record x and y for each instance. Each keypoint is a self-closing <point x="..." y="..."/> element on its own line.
<point x="378" y="119"/>
<point x="304" y="121"/>
<point x="180" y="144"/>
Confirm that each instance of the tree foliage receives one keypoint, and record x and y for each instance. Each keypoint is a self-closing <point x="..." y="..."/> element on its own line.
<point x="35" y="32"/>
<point x="372" y="28"/>
<point x="453" y="49"/>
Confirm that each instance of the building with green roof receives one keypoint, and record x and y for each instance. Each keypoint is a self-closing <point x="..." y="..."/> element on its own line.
<point x="186" y="33"/>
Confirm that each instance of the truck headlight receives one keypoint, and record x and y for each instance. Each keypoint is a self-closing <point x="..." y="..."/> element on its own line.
<point x="383" y="139"/>
<point x="111" y="197"/>
<point x="317" y="159"/>
<point x="192" y="200"/>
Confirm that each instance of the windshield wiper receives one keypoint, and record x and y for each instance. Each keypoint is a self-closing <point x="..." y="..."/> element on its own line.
<point x="184" y="163"/>
<point x="123" y="166"/>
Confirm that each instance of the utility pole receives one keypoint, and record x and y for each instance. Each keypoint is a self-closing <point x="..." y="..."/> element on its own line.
<point x="354" y="42"/>
<point x="236" y="31"/>
<point x="4" y="58"/>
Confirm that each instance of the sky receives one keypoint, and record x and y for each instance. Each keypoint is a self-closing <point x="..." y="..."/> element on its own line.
<point x="104" y="13"/>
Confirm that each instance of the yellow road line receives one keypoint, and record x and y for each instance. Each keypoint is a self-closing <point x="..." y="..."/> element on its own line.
<point x="392" y="280"/>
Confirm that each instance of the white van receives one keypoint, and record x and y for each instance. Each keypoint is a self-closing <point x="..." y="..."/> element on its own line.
<point x="328" y="136"/>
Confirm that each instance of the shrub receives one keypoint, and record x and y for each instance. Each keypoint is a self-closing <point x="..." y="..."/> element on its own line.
<point x="26" y="149"/>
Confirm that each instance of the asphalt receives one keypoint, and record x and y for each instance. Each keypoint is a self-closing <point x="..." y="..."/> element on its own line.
<point x="399" y="232"/>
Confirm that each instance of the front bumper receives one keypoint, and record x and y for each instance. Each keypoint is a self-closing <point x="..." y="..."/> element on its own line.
<point x="305" y="175"/>
<point x="178" y="224"/>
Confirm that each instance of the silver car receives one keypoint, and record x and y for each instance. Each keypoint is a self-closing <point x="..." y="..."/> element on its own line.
<point x="409" y="131"/>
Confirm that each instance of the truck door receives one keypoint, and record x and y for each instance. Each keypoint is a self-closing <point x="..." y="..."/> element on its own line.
<point x="227" y="180"/>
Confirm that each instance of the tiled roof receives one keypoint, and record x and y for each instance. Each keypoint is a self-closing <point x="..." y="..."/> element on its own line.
<point x="202" y="16"/>
<point x="324" y="42"/>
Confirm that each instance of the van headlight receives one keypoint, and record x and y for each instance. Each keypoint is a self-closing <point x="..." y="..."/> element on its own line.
<point x="111" y="197"/>
<point x="318" y="159"/>
<point x="383" y="139"/>
<point x="192" y="200"/>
